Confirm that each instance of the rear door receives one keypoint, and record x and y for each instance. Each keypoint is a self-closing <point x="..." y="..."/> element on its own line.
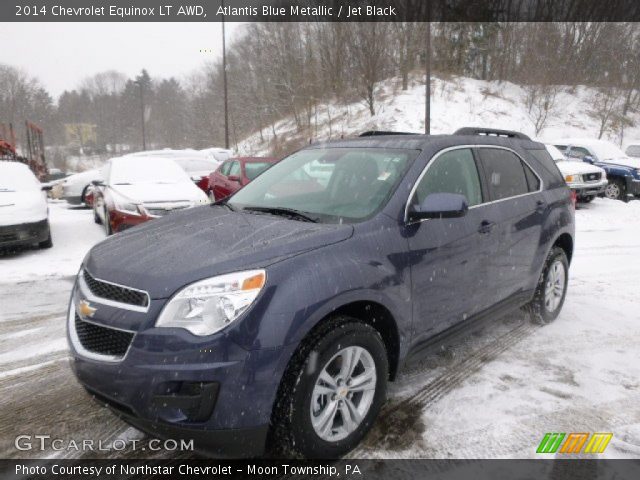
<point x="517" y="209"/>
<point x="220" y="188"/>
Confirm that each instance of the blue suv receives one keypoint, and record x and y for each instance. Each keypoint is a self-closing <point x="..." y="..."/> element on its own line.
<point x="273" y="320"/>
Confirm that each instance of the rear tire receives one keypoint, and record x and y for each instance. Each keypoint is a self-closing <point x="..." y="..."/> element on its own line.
<point x="586" y="199"/>
<point x="96" y="217"/>
<point x="551" y="290"/>
<point x="305" y="399"/>
<point x="212" y="196"/>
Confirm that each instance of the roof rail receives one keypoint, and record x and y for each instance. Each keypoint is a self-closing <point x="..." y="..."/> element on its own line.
<point x="491" y="132"/>
<point x="376" y="133"/>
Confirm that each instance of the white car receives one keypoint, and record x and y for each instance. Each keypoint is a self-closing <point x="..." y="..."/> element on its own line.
<point x="75" y="187"/>
<point x="24" y="213"/>
<point x="587" y="180"/>
<point x="136" y="189"/>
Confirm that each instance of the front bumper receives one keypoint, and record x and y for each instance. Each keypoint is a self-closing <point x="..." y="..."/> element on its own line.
<point x="172" y="384"/>
<point x="589" y="189"/>
<point x="121" y="221"/>
<point x="24" y="234"/>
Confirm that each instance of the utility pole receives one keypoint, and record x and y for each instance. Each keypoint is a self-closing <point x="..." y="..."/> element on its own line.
<point x="427" y="109"/>
<point x="144" y="135"/>
<point x="224" y="80"/>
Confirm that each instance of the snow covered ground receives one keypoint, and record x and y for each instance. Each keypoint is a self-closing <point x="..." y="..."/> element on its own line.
<point x="492" y="395"/>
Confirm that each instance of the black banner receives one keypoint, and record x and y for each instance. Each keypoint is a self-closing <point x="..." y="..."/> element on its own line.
<point x="318" y="10"/>
<point x="574" y="469"/>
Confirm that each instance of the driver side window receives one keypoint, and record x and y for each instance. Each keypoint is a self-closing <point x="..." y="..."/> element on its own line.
<point x="452" y="172"/>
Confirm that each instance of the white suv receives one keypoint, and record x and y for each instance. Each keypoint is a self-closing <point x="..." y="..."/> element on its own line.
<point x="588" y="181"/>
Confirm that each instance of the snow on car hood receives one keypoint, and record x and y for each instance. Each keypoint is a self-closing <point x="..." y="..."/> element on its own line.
<point x="22" y="207"/>
<point x="577" y="168"/>
<point x="166" y="254"/>
<point x="161" y="192"/>
<point x="624" y="161"/>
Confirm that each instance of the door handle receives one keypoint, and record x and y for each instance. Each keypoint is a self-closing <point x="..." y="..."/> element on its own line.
<point x="486" y="226"/>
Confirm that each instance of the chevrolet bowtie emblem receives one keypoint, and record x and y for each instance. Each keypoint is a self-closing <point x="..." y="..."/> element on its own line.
<point x="85" y="309"/>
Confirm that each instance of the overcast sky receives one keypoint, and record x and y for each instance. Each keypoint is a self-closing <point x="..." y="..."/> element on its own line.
<point x="60" y="55"/>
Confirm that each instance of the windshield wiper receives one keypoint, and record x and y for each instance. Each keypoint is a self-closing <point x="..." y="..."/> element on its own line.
<point x="287" y="212"/>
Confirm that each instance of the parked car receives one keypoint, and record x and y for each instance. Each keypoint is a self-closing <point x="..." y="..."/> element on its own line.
<point x="76" y="187"/>
<point x="586" y="180"/>
<point x="623" y="172"/>
<point x="24" y="213"/>
<point x="632" y="149"/>
<point x="284" y="317"/>
<point x="138" y="189"/>
<point x="234" y="174"/>
<point x="197" y="164"/>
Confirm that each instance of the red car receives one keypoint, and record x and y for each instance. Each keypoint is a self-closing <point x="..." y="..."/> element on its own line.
<point x="235" y="173"/>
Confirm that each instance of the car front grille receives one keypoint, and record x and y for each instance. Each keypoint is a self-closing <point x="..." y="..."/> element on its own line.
<point x="592" y="177"/>
<point x="102" y="340"/>
<point x="161" y="212"/>
<point x="116" y="293"/>
<point x="8" y="236"/>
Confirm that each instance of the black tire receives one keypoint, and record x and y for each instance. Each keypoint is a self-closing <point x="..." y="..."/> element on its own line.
<point x="586" y="199"/>
<point x="107" y="223"/>
<point x="48" y="243"/>
<point x="84" y="192"/>
<point x="616" y="190"/>
<point x="537" y="309"/>
<point x="96" y="217"/>
<point x="212" y="196"/>
<point x="292" y="432"/>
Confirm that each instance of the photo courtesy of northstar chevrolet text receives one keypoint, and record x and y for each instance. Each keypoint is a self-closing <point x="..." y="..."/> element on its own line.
<point x="317" y="237"/>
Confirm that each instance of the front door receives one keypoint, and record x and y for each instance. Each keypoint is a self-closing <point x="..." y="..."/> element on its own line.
<point x="448" y="255"/>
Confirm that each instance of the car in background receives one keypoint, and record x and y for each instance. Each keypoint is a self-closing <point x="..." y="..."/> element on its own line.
<point x="24" y="212"/>
<point x="586" y="180"/>
<point x="76" y="187"/>
<point x="217" y="154"/>
<point x="632" y="149"/>
<point x="623" y="172"/>
<point x="197" y="164"/>
<point x="235" y="173"/>
<point x="136" y="189"/>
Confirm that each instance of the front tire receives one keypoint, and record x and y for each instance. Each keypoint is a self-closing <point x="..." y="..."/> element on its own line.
<point x="107" y="223"/>
<point x="48" y="243"/>
<point x="616" y="190"/>
<point x="332" y="391"/>
<point x="551" y="290"/>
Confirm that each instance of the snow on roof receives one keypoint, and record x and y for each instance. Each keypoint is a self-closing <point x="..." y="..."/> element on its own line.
<point x="604" y="149"/>
<point x="138" y="169"/>
<point x="14" y="175"/>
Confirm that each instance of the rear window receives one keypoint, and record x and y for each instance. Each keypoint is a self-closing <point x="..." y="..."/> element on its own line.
<point x="545" y="160"/>
<point x="505" y="173"/>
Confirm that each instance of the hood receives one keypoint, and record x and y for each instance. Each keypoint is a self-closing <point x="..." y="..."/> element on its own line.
<point x="623" y="161"/>
<point x="22" y="207"/>
<point x="164" y="255"/>
<point x="160" y="192"/>
<point x="577" y="168"/>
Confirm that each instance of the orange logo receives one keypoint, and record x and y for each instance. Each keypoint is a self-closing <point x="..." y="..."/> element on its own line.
<point x="85" y="309"/>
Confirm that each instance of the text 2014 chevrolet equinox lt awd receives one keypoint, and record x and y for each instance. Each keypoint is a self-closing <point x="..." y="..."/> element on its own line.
<point x="277" y="319"/>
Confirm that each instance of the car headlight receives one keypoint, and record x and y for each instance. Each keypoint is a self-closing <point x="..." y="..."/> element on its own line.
<point x="573" y="178"/>
<point x="208" y="306"/>
<point x="123" y="204"/>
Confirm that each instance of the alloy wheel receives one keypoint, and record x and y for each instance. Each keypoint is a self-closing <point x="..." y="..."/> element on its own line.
<point x="343" y="393"/>
<point x="612" y="191"/>
<point x="554" y="288"/>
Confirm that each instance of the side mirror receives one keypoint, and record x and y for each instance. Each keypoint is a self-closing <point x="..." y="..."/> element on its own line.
<point x="440" y="205"/>
<point x="588" y="159"/>
<point x="234" y="178"/>
<point x="97" y="183"/>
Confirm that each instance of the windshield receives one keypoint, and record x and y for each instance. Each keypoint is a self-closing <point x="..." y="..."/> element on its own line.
<point x="606" y="151"/>
<point x="15" y="177"/>
<point x="133" y="170"/>
<point x="253" y="169"/>
<point x="332" y="185"/>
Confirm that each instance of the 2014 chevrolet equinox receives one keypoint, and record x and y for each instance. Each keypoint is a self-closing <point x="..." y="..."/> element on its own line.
<point x="277" y="319"/>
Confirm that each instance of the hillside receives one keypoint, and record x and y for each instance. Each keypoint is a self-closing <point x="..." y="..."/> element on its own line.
<point x="456" y="102"/>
